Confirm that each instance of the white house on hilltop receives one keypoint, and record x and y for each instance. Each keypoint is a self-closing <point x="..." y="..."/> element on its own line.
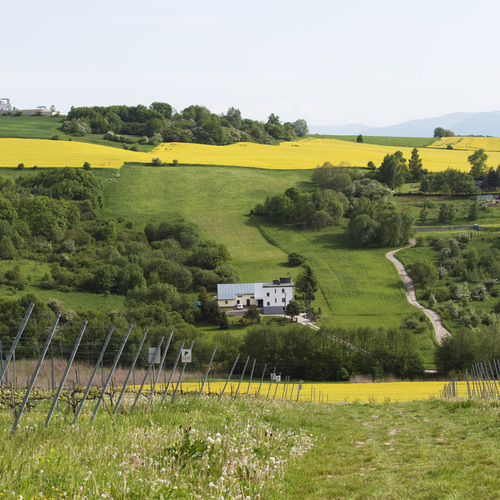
<point x="271" y="297"/>
<point x="5" y="106"/>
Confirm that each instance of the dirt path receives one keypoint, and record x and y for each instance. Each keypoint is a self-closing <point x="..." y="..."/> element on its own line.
<point x="440" y="331"/>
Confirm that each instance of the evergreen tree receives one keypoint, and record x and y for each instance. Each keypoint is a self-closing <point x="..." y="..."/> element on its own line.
<point x="415" y="165"/>
<point x="307" y="278"/>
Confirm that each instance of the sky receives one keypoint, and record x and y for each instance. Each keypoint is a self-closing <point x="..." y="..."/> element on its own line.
<point x="329" y="62"/>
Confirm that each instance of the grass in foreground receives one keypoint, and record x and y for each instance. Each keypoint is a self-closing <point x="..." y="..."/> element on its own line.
<point x="258" y="449"/>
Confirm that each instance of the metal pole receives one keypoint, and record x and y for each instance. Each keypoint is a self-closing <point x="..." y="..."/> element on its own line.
<point x="242" y="375"/>
<point x="493" y="378"/>
<point x="172" y="373"/>
<point x="35" y="373"/>
<point x="291" y="393"/>
<point x="468" y="387"/>
<point x="157" y="350"/>
<point x="117" y="358"/>
<point x="89" y="385"/>
<point x="206" y="373"/>
<point x="16" y="339"/>
<point x="251" y="376"/>
<point x="160" y="368"/>
<point x="181" y="374"/>
<point x="273" y="378"/>
<point x="65" y="374"/>
<point x="134" y="361"/>
<point x="262" y="378"/>
<point x="14" y="378"/>
<point x="229" y="378"/>
<point x="276" y="390"/>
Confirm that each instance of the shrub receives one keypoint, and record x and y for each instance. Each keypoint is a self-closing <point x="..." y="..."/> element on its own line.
<point x="86" y="165"/>
<point x="20" y="166"/>
<point x="296" y="259"/>
<point x="157" y="161"/>
<point x="175" y="163"/>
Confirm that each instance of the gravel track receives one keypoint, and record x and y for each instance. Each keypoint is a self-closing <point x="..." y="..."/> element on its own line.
<point x="440" y="331"/>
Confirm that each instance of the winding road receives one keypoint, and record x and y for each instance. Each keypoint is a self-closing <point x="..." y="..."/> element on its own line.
<point x="440" y="331"/>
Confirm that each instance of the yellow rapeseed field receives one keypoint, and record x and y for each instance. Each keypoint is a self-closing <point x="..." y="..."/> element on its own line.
<point x="489" y="144"/>
<point x="47" y="153"/>
<point x="307" y="154"/>
<point x="304" y="154"/>
<point x="333" y="392"/>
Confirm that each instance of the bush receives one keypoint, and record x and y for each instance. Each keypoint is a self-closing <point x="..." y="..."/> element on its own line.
<point x="296" y="259"/>
<point x="86" y="165"/>
<point x="157" y="161"/>
<point x="20" y="166"/>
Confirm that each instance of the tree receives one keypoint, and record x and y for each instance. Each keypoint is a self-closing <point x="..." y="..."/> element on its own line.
<point x="446" y="212"/>
<point x="473" y="211"/>
<point x="415" y="166"/>
<point x="423" y="215"/>
<point x="423" y="272"/>
<point x="233" y="116"/>
<point x="7" y="248"/>
<point x="300" y="127"/>
<point x="305" y="278"/>
<point x="441" y="132"/>
<point x="252" y="314"/>
<point x="392" y="171"/>
<point x="478" y="164"/>
<point x="359" y="138"/>
<point x="292" y="310"/>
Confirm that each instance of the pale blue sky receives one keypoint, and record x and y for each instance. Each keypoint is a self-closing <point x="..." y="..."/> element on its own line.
<point x="372" y="62"/>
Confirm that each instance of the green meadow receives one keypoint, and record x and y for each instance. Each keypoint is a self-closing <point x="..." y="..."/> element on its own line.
<point x="357" y="286"/>
<point x="255" y="448"/>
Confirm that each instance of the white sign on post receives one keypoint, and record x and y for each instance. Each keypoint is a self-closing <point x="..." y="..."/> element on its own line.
<point x="152" y="358"/>
<point x="278" y="379"/>
<point x="186" y="355"/>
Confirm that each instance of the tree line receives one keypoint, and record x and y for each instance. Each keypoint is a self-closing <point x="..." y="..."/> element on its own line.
<point x="159" y="122"/>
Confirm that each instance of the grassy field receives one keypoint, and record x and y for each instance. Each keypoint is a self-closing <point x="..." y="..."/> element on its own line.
<point x="397" y="142"/>
<point x="46" y="127"/>
<point x="257" y="449"/>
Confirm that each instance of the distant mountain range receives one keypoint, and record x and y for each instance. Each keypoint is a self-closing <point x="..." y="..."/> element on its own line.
<point x="483" y="123"/>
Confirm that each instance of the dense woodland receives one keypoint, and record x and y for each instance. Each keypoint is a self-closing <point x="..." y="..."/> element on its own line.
<point x="161" y="123"/>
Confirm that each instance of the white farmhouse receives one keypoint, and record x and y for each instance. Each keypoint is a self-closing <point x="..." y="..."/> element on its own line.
<point x="5" y="105"/>
<point x="272" y="298"/>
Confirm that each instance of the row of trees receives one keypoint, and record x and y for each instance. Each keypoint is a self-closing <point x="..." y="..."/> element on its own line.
<point x="160" y="122"/>
<point x="301" y="352"/>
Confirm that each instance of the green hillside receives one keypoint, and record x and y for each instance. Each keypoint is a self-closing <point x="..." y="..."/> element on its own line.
<point x="357" y="287"/>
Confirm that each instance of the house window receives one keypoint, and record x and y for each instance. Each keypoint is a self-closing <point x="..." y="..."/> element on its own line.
<point x="275" y="300"/>
<point x="283" y="300"/>
<point x="267" y="294"/>
<point x="268" y="303"/>
<point x="226" y="301"/>
<point x="282" y="290"/>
